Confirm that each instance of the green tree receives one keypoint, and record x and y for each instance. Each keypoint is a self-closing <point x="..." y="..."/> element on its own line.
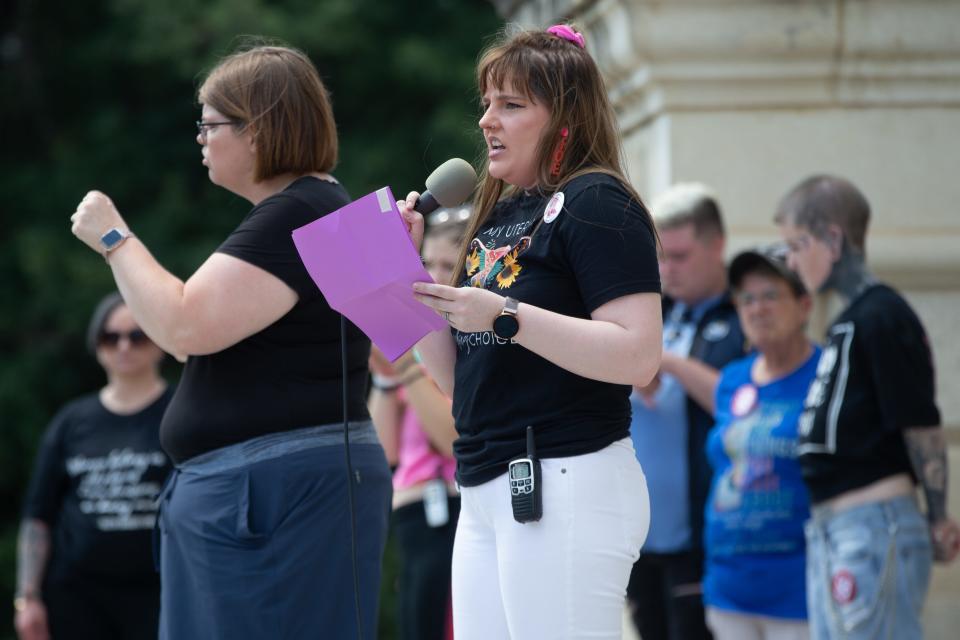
<point x="101" y="94"/>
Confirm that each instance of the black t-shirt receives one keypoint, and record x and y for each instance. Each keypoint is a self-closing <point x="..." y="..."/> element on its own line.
<point x="287" y="376"/>
<point x="875" y="378"/>
<point x="599" y="247"/>
<point x="95" y="482"/>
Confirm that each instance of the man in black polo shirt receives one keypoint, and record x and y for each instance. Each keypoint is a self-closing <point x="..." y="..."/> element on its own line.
<point x="869" y="433"/>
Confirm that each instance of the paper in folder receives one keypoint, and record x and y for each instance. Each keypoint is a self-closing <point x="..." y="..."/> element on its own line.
<point x="365" y="264"/>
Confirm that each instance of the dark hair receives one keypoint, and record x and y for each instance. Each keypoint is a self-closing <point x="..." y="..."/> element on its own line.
<point x="278" y="93"/>
<point x="768" y="271"/>
<point x="564" y="78"/>
<point x="98" y="320"/>
<point x="770" y="260"/>
<point x="822" y="200"/>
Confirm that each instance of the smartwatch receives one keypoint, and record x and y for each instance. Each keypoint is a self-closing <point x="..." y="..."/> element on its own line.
<point x="113" y="239"/>
<point x="506" y="325"/>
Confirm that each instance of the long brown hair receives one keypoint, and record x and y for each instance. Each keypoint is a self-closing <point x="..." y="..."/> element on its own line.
<point x="564" y="78"/>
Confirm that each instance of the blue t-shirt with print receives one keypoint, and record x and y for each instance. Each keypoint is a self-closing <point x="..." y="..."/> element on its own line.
<point x="758" y="502"/>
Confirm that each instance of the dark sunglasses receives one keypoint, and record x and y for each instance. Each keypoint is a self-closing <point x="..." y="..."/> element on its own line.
<point x="137" y="338"/>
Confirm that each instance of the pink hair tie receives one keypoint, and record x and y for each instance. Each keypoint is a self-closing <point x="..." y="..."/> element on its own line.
<point x="565" y="32"/>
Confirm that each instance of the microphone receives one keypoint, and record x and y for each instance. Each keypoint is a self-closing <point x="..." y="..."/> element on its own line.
<point x="449" y="185"/>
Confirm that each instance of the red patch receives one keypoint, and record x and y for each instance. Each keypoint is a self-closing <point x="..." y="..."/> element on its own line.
<point x="844" y="587"/>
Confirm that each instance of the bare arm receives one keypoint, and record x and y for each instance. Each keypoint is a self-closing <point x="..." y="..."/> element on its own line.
<point x="434" y="412"/>
<point x="225" y="301"/>
<point x="620" y="343"/>
<point x="699" y="380"/>
<point x="33" y="552"/>
<point x="439" y="355"/>
<point x="928" y="455"/>
<point x="386" y="412"/>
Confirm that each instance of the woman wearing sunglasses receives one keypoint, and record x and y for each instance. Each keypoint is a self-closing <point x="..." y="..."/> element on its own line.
<point x="84" y="564"/>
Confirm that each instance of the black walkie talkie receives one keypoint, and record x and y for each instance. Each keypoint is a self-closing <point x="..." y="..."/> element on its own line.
<point x="526" y="494"/>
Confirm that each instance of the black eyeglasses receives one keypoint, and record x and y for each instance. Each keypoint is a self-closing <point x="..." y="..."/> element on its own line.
<point x="203" y="127"/>
<point x="136" y="338"/>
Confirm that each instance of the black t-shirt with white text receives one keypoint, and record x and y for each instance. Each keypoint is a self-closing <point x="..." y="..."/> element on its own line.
<point x="287" y="376"/>
<point x="875" y="378"/>
<point x="594" y="245"/>
<point x="95" y="482"/>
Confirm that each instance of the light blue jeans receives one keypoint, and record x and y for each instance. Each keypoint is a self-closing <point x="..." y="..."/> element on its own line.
<point x="868" y="570"/>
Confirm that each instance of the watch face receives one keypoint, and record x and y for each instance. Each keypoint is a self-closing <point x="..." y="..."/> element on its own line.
<point x="110" y="238"/>
<point x="505" y="326"/>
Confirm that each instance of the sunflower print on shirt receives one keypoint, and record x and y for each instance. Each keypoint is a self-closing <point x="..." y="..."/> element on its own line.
<point x="498" y="264"/>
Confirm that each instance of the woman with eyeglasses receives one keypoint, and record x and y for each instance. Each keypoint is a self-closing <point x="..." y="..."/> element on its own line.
<point x="84" y="562"/>
<point x="754" y="578"/>
<point x="255" y="523"/>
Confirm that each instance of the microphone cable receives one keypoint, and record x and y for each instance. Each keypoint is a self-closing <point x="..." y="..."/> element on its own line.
<point x="350" y="475"/>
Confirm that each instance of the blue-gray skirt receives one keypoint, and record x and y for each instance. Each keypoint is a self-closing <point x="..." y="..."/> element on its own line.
<point x="254" y="538"/>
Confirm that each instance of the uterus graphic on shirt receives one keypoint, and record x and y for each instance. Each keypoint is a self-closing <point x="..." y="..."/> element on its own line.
<point x="485" y="265"/>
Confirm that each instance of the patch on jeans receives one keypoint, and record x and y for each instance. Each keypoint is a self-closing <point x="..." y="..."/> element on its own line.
<point x="843" y="586"/>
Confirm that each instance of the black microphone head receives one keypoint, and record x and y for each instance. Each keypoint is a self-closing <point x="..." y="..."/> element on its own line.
<point x="452" y="182"/>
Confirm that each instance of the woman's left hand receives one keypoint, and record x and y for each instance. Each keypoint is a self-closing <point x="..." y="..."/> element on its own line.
<point x="467" y="309"/>
<point x="95" y="215"/>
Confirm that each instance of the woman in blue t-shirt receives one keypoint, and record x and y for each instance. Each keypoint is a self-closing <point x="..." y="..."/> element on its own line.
<point x="556" y="314"/>
<point x="753" y="587"/>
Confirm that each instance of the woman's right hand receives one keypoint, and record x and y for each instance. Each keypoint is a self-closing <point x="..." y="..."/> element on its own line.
<point x="379" y="364"/>
<point x="31" y="621"/>
<point x="413" y="219"/>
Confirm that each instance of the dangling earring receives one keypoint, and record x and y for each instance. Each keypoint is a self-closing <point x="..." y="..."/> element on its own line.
<point x="558" y="154"/>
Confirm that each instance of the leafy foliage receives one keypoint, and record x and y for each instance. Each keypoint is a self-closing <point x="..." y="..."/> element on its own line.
<point x="101" y="94"/>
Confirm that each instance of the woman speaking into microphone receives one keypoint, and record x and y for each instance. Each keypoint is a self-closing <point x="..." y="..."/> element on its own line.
<point x="554" y="314"/>
<point x="254" y="524"/>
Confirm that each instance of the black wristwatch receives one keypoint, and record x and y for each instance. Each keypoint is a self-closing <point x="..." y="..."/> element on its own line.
<point x="506" y="325"/>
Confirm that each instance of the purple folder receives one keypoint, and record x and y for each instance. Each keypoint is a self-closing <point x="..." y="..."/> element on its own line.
<point x="365" y="264"/>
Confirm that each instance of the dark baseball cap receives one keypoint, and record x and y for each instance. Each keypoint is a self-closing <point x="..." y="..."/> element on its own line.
<point x="768" y="258"/>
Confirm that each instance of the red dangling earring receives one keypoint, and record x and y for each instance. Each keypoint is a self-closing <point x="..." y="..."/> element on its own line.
<point x="558" y="154"/>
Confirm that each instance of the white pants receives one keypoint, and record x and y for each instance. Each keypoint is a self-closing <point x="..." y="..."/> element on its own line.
<point x="730" y="625"/>
<point x="564" y="577"/>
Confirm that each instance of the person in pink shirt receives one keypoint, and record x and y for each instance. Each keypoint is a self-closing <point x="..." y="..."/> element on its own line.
<point x="414" y="421"/>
